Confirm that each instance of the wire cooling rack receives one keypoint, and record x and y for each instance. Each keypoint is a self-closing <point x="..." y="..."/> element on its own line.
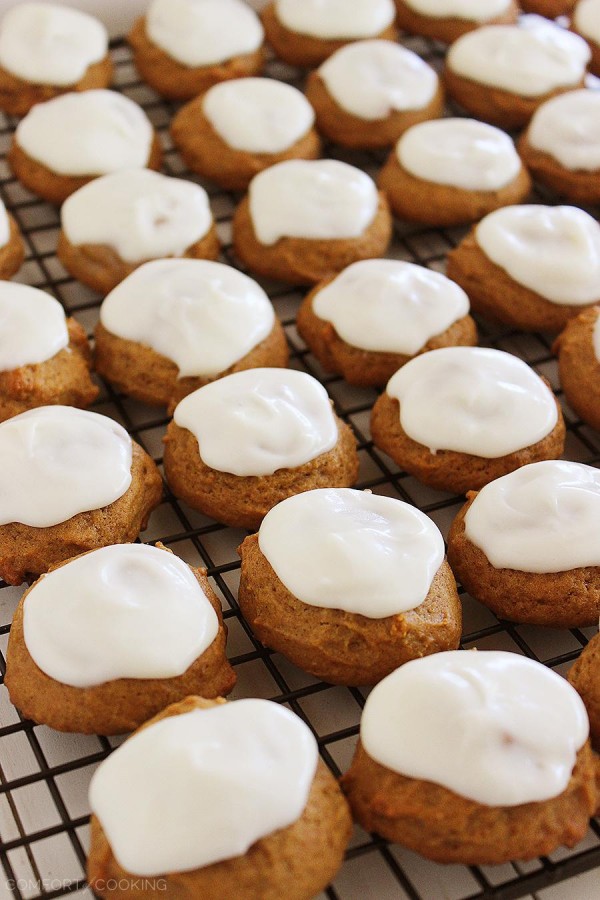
<point x="44" y="775"/>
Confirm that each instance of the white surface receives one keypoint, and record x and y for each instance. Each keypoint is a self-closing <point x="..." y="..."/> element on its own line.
<point x="33" y="326"/>
<point x="472" y="10"/>
<point x="586" y="19"/>
<point x="568" y="128"/>
<point x="329" y="19"/>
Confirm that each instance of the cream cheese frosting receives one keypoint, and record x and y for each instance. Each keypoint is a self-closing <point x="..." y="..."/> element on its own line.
<point x="586" y="19"/>
<point x="471" y="10"/>
<point x="567" y="127"/>
<point x="33" y="327"/>
<point x="331" y="19"/>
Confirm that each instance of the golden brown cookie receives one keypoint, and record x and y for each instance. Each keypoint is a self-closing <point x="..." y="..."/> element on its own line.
<point x="569" y="599"/>
<point x="113" y="707"/>
<point x="17" y="96"/>
<point x="27" y="552"/>
<point x="306" y="261"/>
<point x="304" y="50"/>
<point x="205" y="152"/>
<point x="295" y="862"/>
<point x="584" y="675"/>
<point x="449" y="828"/>
<point x="549" y="8"/>
<point x="446" y="29"/>
<point x="367" y="368"/>
<point x="13" y="252"/>
<point x="177" y="81"/>
<point x="495" y="295"/>
<point x="579" y="367"/>
<point x="577" y="185"/>
<point x="148" y="376"/>
<point x="342" y="647"/>
<point x="63" y="379"/>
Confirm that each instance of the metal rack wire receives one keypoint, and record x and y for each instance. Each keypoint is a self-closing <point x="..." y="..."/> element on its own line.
<point x="44" y="775"/>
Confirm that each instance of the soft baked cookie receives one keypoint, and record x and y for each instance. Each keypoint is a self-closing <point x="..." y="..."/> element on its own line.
<point x="70" y="481"/>
<point x="586" y="22"/>
<point x="305" y="32"/>
<point x="276" y="825"/>
<point x="62" y="144"/>
<point x="578" y="351"/>
<point x="502" y="73"/>
<point x="410" y="310"/>
<point x="303" y="221"/>
<point x="494" y="266"/>
<point x="44" y="357"/>
<point x="377" y="592"/>
<point x="183" y="47"/>
<point x="447" y="20"/>
<point x="453" y="171"/>
<point x="369" y="92"/>
<point x="240" y="127"/>
<point x="549" y="8"/>
<point x="584" y="675"/>
<point x="175" y="325"/>
<point x="47" y="50"/>
<point x="238" y="446"/>
<point x="475" y="757"/>
<point x="459" y="417"/>
<point x="12" y="247"/>
<point x="561" y="147"/>
<point x="105" y="641"/>
<point x="517" y="547"/>
<point x="115" y="223"/>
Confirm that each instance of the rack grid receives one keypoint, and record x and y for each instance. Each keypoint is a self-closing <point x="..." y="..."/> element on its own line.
<point x="44" y="775"/>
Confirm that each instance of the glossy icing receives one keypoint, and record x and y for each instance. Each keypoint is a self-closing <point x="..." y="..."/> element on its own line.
<point x="329" y="19"/>
<point x="33" y="327"/>
<point x="568" y="128"/>
<point x="471" y="10"/>
<point x="586" y="19"/>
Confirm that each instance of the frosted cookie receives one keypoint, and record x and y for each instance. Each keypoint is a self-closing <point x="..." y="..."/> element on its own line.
<point x="47" y="50"/>
<point x="70" y="481"/>
<point x="238" y="446"/>
<point x="304" y="221"/>
<point x="241" y="127"/>
<point x="305" y="32"/>
<point x="584" y="675"/>
<point x="105" y="641"/>
<point x="578" y="351"/>
<point x="459" y="417"/>
<point x="115" y="223"/>
<point x="12" y="248"/>
<point x="561" y="147"/>
<point x="494" y="265"/>
<point x="447" y="20"/>
<point x="377" y="314"/>
<point x="502" y="73"/>
<point x="62" y="144"/>
<point x="453" y="171"/>
<point x="377" y="592"/>
<point x="44" y="357"/>
<point x="183" y="47"/>
<point x="368" y="93"/>
<point x="276" y="825"/>
<point x="474" y="757"/>
<point x="527" y="545"/>
<point x="175" y="325"/>
<point x="586" y="22"/>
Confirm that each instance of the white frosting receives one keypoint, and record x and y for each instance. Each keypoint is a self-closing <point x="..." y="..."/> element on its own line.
<point x="564" y="242"/>
<point x="57" y="461"/>
<point x="407" y="305"/>
<point x="375" y="556"/>
<point x="33" y="327"/>
<point x="4" y="226"/>
<point x="372" y="79"/>
<point x="217" y="780"/>
<point x="332" y="19"/>
<point x="463" y="153"/>
<point x="314" y="199"/>
<point x="473" y="400"/>
<point x="586" y="19"/>
<point x="203" y="32"/>
<point x="529" y="59"/>
<point x="596" y="338"/>
<point x="260" y="420"/>
<point x="568" y="128"/>
<point x="89" y="133"/>
<point x="542" y="518"/>
<point x="471" y="10"/>
<point x="141" y="214"/>
<point x="47" y="44"/>
<point x="202" y="315"/>
<point x="127" y="611"/>
<point x="495" y="727"/>
<point x="258" y="115"/>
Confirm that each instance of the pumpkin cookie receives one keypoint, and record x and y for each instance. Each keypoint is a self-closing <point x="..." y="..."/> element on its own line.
<point x="447" y="20"/>
<point x="474" y="757"/>
<point x="586" y="22"/>
<point x="578" y="351"/>
<point x="549" y="8"/>
<point x="238" y="446"/>
<point x="584" y="675"/>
